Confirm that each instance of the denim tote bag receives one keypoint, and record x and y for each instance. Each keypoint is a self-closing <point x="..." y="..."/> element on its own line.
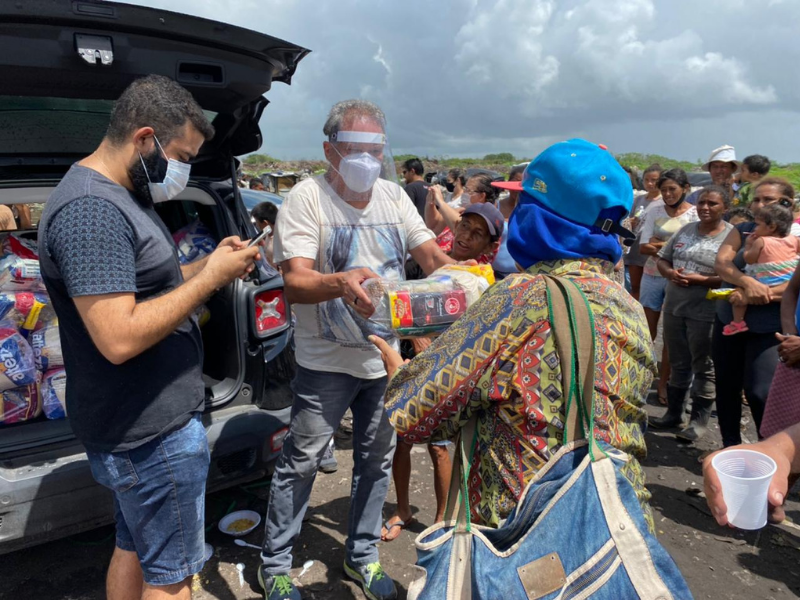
<point x="577" y="531"/>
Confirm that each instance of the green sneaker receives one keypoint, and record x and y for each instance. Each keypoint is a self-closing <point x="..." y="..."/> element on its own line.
<point x="377" y="585"/>
<point x="277" y="587"/>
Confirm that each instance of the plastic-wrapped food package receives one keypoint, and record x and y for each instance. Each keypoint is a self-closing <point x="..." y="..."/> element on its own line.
<point x="46" y="344"/>
<point x="19" y="265"/>
<point x="17" y="364"/>
<point x="24" y="309"/>
<point x="194" y="242"/>
<point x="427" y="306"/>
<point x="54" y="390"/>
<point x="20" y="404"/>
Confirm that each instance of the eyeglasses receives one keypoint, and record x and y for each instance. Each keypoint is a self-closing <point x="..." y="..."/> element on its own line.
<point x="768" y="199"/>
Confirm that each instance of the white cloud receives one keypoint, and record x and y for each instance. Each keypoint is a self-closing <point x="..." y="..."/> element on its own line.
<point x="468" y="77"/>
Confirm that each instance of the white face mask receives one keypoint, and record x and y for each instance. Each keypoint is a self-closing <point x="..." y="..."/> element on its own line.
<point x="359" y="171"/>
<point x="175" y="180"/>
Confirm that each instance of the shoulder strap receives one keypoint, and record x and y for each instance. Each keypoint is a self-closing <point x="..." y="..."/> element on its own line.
<point x="573" y="327"/>
<point x="458" y="496"/>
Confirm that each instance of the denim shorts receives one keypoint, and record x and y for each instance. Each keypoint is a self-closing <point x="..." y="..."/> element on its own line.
<point x="652" y="291"/>
<point x="159" y="501"/>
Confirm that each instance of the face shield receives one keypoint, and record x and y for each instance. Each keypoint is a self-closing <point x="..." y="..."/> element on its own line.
<point x="365" y="158"/>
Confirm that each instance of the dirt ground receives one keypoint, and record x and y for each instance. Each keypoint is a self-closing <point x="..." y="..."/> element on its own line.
<point x="717" y="562"/>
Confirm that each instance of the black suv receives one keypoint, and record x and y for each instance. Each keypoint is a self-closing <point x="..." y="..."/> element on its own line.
<point x="62" y="65"/>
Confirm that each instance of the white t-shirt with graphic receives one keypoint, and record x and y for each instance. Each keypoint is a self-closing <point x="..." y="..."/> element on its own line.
<point x="315" y="223"/>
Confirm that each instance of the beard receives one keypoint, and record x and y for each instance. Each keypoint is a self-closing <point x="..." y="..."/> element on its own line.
<point x="138" y="174"/>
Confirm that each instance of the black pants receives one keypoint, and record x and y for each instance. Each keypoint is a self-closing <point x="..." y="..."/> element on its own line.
<point x="742" y="361"/>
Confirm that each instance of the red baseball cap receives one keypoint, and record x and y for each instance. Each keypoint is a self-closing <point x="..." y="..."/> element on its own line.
<point x="513" y="186"/>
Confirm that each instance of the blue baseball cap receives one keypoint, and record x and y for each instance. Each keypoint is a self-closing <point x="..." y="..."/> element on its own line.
<point x="582" y="182"/>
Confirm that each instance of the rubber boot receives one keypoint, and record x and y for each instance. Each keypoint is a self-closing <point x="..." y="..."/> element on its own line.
<point x="674" y="415"/>
<point x="698" y="426"/>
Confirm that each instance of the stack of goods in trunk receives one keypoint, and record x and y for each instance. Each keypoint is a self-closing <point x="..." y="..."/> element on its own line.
<point x="31" y="364"/>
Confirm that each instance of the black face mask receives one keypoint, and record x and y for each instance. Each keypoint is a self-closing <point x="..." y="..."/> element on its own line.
<point x="155" y="166"/>
<point x="450" y="186"/>
<point x="679" y="202"/>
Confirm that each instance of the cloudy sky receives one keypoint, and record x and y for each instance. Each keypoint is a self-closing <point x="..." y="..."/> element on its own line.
<point x="472" y="77"/>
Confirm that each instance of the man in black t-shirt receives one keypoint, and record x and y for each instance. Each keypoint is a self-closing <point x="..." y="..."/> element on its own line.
<point x="416" y="186"/>
<point x="132" y="347"/>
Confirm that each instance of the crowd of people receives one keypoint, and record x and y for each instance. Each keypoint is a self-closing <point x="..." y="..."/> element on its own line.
<point x="724" y="293"/>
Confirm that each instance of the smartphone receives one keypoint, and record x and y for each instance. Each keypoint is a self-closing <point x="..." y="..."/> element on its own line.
<point x="259" y="237"/>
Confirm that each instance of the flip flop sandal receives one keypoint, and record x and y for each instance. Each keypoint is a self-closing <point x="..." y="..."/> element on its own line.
<point x="399" y="523"/>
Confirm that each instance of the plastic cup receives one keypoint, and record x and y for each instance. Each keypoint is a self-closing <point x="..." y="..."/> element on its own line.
<point x="745" y="476"/>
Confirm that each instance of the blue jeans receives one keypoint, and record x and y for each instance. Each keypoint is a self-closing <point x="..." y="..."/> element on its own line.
<point x="159" y="499"/>
<point x="320" y="401"/>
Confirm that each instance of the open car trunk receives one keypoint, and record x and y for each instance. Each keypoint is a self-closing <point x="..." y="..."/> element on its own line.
<point x="63" y="64"/>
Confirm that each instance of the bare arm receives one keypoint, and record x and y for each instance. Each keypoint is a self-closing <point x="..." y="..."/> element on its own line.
<point x="433" y="218"/>
<point x="430" y="257"/>
<point x="789" y="303"/>
<point x="122" y="328"/>
<point x="446" y="216"/>
<point x="665" y="268"/>
<point x="752" y="250"/>
<point x="192" y="269"/>
<point x="450" y="215"/>
<point x="755" y="292"/>
<point x="304" y="285"/>
<point x="781" y="447"/>
<point x="24" y="212"/>
<point x="652" y="247"/>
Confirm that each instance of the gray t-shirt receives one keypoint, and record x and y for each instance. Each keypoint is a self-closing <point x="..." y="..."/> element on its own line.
<point x="96" y="239"/>
<point x="695" y="253"/>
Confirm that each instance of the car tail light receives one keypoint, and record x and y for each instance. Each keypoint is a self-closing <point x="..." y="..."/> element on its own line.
<point x="277" y="438"/>
<point x="270" y="310"/>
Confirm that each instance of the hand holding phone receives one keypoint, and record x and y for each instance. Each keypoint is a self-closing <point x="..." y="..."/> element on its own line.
<point x="259" y="237"/>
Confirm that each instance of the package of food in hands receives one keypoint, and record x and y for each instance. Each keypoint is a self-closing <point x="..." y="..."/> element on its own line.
<point x="20" y="404"/>
<point x="427" y="306"/>
<point x="719" y="294"/>
<point x="19" y="265"/>
<point x="17" y="363"/>
<point x="46" y="344"/>
<point x="53" y="391"/>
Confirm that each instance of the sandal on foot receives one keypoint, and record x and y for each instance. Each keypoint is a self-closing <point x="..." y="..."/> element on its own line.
<point x="399" y="524"/>
<point x="735" y="327"/>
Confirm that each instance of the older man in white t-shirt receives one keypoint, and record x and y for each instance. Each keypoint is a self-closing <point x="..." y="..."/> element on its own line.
<point x="334" y="232"/>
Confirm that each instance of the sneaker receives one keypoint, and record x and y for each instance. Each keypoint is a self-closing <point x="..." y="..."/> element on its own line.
<point x="377" y="585"/>
<point x="277" y="587"/>
<point x="328" y="464"/>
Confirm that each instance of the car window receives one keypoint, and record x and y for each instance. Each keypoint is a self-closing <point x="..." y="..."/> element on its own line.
<point x="30" y="125"/>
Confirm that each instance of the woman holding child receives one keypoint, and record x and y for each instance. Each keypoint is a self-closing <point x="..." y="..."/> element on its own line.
<point x="748" y="358"/>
